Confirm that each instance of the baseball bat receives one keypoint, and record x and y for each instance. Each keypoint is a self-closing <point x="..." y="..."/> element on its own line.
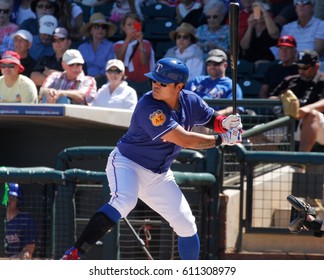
<point x="234" y="9"/>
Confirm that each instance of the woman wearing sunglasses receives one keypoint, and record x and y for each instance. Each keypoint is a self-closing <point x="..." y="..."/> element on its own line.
<point x="215" y="34"/>
<point x="97" y="49"/>
<point x="186" y="49"/>
<point x="7" y="28"/>
<point x="115" y="93"/>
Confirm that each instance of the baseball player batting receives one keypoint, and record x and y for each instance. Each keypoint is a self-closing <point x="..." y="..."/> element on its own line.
<point x="139" y="166"/>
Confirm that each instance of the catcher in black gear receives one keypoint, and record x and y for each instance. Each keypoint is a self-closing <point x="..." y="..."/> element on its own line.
<point x="303" y="216"/>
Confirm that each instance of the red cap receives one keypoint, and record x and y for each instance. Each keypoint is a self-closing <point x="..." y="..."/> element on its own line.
<point x="287" y="40"/>
<point x="12" y="57"/>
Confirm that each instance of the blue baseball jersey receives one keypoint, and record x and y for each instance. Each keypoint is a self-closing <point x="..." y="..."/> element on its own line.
<point x="207" y="88"/>
<point x="152" y="119"/>
<point x="20" y="231"/>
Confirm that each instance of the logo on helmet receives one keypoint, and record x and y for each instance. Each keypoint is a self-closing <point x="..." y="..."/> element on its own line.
<point x="158" y="67"/>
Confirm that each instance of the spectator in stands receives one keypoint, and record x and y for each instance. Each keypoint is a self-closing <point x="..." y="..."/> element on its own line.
<point x="215" y="84"/>
<point x="51" y="63"/>
<point x="23" y="40"/>
<point x="186" y="49"/>
<point x="115" y="93"/>
<point x="40" y="8"/>
<point x="245" y="12"/>
<point x="285" y="66"/>
<point x="7" y="28"/>
<point x="15" y="88"/>
<point x="185" y="7"/>
<point x="42" y="43"/>
<point x="308" y="86"/>
<point x="21" y="11"/>
<point x="136" y="52"/>
<point x="261" y="34"/>
<point x="307" y="30"/>
<point x="92" y="3"/>
<point x="20" y="227"/>
<point x="70" y="86"/>
<point x="120" y="9"/>
<point x="214" y="34"/>
<point x="71" y="18"/>
<point x="283" y="11"/>
<point x="97" y="50"/>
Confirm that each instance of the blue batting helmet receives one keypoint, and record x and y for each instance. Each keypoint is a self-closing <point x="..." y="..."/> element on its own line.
<point x="14" y="190"/>
<point x="169" y="70"/>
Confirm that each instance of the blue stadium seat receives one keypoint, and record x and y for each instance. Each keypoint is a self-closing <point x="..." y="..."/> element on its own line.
<point x="158" y="10"/>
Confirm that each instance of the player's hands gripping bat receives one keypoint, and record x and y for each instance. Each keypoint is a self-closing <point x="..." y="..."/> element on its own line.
<point x="232" y="121"/>
<point x="299" y="212"/>
<point x="231" y="137"/>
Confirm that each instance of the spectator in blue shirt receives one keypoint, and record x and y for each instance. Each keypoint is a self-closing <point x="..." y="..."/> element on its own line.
<point x="97" y="50"/>
<point x="215" y="84"/>
<point x="42" y="43"/>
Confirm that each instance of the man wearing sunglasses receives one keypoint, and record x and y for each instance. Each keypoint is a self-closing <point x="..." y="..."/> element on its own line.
<point x="50" y="63"/>
<point x="15" y="88"/>
<point x="308" y="86"/>
<point x="139" y="167"/>
<point x="307" y="29"/>
<point x="71" y="86"/>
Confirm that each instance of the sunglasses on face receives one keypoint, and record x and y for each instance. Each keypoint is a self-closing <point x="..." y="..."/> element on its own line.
<point x="9" y="65"/>
<point x="113" y="71"/>
<point x="99" y="26"/>
<point x="211" y="63"/>
<point x="212" y="17"/>
<point x="58" y="40"/>
<point x="302" y="3"/>
<point x="304" y="67"/>
<point x="4" y="11"/>
<point x="44" y="6"/>
<point x="154" y="82"/>
<point x="75" y="64"/>
<point x="184" y="37"/>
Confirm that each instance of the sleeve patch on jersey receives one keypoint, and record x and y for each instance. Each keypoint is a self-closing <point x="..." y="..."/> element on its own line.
<point x="157" y="118"/>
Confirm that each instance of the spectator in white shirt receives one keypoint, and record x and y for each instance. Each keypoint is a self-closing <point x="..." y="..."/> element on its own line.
<point x="115" y="93"/>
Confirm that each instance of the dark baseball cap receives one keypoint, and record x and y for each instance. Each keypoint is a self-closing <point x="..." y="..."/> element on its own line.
<point x="307" y="57"/>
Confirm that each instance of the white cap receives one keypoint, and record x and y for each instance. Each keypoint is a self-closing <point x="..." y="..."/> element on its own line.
<point x="47" y="24"/>
<point x="117" y="63"/>
<point x="72" y="56"/>
<point x="25" y="34"/>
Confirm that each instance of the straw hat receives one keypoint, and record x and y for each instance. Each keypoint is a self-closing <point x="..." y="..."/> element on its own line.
<point x="185" y="28"/>
<point x="98" y="18"/>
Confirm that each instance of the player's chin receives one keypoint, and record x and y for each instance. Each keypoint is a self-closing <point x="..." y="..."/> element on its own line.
<point x="156" y="95"/>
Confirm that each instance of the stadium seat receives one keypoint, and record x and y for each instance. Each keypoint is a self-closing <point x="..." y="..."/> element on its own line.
<point x="161" y="48"/>
<point x="244" y="69"/>
<point x="104" y="9"/>
<point x="250" y="87"/>
<point x="260" y="70"/>
<point x="158" y="29"/>
<point x="158" y="10"/>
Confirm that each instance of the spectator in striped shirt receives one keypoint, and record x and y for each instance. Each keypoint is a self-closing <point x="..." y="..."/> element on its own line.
<point x="71" y="86"/>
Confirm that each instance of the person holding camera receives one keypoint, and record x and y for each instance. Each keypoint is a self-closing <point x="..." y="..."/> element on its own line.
<point x="261" y="34"/>
<point x="136" y="52"/>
